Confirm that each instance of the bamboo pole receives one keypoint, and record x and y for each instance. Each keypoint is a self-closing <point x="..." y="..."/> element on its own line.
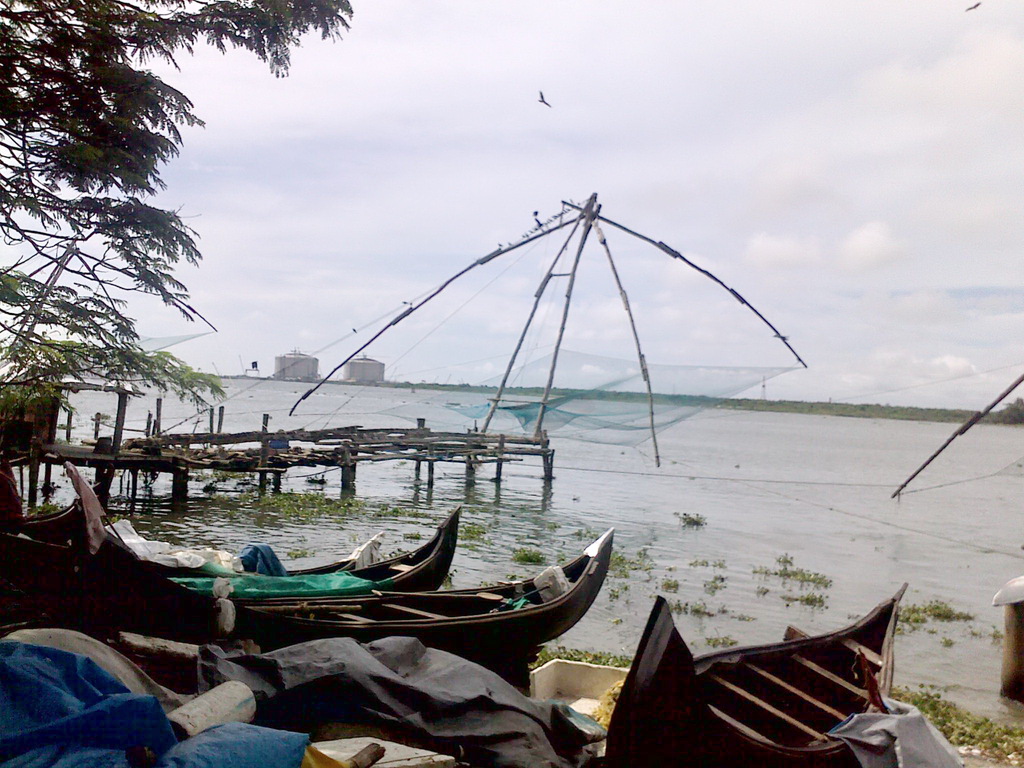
<point x="538" y="294"/>
<point x="677" y="255"/>
<point x="589" y="212"/>
<point x="416" y="305"/>
<point x="963" y="428"/>
<point x="636" y="338"/>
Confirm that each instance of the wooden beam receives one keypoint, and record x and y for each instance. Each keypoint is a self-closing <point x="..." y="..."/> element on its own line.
<point x="818" y="736"/>
<point x="830" y="676"/>
<point x="868" y="654"/>
<point x="796" y="691"/>
<point x="741" y="727"/>
<point x="414" y="611"/>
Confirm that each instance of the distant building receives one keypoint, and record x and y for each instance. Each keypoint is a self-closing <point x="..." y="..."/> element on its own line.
<point x="364" y="370"/>
<point x="296" y="366"/>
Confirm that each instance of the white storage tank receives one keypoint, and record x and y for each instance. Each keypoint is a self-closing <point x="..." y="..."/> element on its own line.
<point x="364" y="370"/>
<point x="295" y="366"/>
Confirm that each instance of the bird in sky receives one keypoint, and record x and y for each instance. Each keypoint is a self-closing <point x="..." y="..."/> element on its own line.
<point x="973" y="6"/>
<point x="542" y="100"/>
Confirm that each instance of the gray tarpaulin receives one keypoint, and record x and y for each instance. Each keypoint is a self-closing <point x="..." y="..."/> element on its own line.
<point x="431" y="695"/>
<point x="901" y="739"/>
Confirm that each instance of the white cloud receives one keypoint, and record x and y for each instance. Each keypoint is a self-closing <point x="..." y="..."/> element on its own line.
<point x="869" y="246"/>
<point x="771" y="252"/>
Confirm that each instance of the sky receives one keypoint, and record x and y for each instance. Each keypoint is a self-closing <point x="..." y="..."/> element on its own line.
<point x="853" y="169"/>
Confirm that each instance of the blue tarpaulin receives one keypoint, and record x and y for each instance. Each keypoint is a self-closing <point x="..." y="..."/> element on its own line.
<point x="261" y="558"/>
<point x="61" y="710"/>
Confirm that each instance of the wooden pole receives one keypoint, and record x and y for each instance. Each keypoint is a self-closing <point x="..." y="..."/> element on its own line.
<point x="636" y="339"/>
<point x="47" y="482"/>
<point x="591" y="210"/>
<point x="179" y="483"/>
<point x="421" y="423"/>
<point x="211" y="419"/>
<point x="538" y="294"/>
<point x="220" y="419"/>
<point x="413" y="307"/>
<point x="67" y="428"/>
<point x="149" y="423"/>
<point x="156" y="419"/>
<point x="122" y="409"/>
<point x="1012" y="674"/>
<point x="430" y="474"/>
<point x="96" y="426"/>
<point x="501" y="455"/>
<point x="264" y="453"/>
<point x="348" y="471"/>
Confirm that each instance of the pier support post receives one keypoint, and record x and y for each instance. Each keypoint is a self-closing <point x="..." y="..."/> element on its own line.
<point x="430" y="474"/>
<point x="264" y="453"/>
<point x="1012" y="676"/>
<point x="179" y="484"/>
<point x="421" y="423"/>
<point x="277" y="482"/>
<point x="67" y="427"/>
<point x="501" y="455"/>
<point x="211" y="419"/>
<point x="548" y="458"/>
<point x="156" y="419"/>
<point x="96" y="426"/>
<point x="220" y="419"/>
<point x="149" y="423"/>
<point x="122" y="409"/>
<point x="470" y="467"/>
<point x="416" y="473"/>
<point x="33" y="475"/>
<point x="348" y="471"/>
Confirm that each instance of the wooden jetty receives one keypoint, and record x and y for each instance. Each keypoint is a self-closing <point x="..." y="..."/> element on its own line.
<point x="271" y="454"/>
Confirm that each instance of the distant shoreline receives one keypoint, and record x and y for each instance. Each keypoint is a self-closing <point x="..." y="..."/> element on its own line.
<point x="1011" y="414"/>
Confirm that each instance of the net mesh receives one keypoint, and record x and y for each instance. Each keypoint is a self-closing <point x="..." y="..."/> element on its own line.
<point x="595" y="398"/>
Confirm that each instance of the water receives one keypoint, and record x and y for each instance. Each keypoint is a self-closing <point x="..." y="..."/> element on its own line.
<point x="768" y="485"/>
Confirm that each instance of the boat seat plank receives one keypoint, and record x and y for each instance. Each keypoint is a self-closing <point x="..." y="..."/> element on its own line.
<point x="414" y="611"/>
<point x="490" y="596"/>
<point x="402" y="567"/>
<point x="796" y="691"/>
<point x="741" y="727"/>
<point x="352" y="617"/>
<point x="830" y="676"/>
<point x="870" y="655"/>
<point x="817" y="735"/>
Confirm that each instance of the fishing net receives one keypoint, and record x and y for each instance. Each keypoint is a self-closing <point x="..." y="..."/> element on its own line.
<point x="595" y="398"/>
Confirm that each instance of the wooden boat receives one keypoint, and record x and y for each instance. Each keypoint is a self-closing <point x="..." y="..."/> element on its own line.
<point x="113" y="590"/>
<point x="769" y="705"/>
<point x="424" y="568"/>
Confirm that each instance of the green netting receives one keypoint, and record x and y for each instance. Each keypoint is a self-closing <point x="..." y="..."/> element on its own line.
<point x="255" y="585"/>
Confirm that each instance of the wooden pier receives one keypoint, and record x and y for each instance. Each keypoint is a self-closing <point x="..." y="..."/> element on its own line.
<point x="271" y="454"/>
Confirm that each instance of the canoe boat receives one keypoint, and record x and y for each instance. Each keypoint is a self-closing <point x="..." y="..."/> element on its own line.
<point x="769" y="705"/>
<point x="111" y="590"/>
<point x="424" y="568"/>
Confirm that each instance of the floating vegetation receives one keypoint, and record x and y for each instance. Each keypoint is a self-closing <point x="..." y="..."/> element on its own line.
<point x="587" y="533"/>
<point x="714" y="584"/>
<point x="720" y="641"/>
<point x="810" y="599"/>
<point x="700" y="563"/>
<point x="785" y="570"/>
<point x="316" y="480"/>
<point x="295" y="554"/>
<point x="302" y="506"/>
<point x="698" y="609"/>
<point x="961" y="727"/>
<point x="691" y="520"/>
<point x="742" y="617"/>
<point x="552" y="526"/>
<point x="997" y="635"/>
<point x="573" y="654"/>
<point x="412" y="536"/>
<point x="913" y="617"/>
<point x="762" y="591"/>
<point x="947" y="642"/>
<point x="615" y="592"/>
<point x="621" y="565"/>
<point x="527" y="555"/>
<point x="472" y="531"/>
<point x="670" y="585"/>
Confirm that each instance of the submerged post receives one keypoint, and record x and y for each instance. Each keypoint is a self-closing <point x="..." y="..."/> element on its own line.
<point x="156" y="419"/>
<point x="220" y="419"/>
<point x="264" y="453"/>
<point x="1012" y="675"/>
<point x="122" y="409"/>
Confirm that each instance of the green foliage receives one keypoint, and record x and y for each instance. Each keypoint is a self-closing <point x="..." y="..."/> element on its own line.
<point x="620" y="565"/>
<point x="912" y="616"/>
<point x="785" y="570"/>
<point x="720" y="641"/>
<point x="670" y="585"/>
<point x="472" y="531"/>
<point x="691" y="520"/>
<point x="527" y="555"/>
<point x="810" y="599"/>
<point x="84" y="131"/>
<point x="573" y="654"/>
<point x="961" y="727"/>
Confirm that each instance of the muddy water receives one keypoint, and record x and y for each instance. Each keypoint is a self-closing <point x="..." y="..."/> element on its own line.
<point x="766" y="486"/>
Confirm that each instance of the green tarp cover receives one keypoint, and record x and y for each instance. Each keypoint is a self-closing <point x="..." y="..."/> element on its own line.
<point x="253" y="585"/>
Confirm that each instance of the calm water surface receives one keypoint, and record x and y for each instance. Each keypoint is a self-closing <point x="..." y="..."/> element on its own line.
<point x="815" y="489"/>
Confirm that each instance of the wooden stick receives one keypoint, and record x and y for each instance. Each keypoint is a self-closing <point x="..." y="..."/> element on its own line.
<point x="676" y="255"/>
<point x="796" y="691"/>
<point x="636" y="338"/>
<point x="529" y="321"/>
<point x="963" y="428"/>
<point x="589" y="212"/>
<point x="413" y="307"/>
<point x="768" y="708"/>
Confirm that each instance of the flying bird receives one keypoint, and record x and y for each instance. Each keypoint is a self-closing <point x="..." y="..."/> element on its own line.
<point x="541" y="99"/>
<point x="973" y="6"/>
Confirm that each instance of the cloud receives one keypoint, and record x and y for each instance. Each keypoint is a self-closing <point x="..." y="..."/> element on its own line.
<point x="771" y="252"/>
<point x="870" y="246"/>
